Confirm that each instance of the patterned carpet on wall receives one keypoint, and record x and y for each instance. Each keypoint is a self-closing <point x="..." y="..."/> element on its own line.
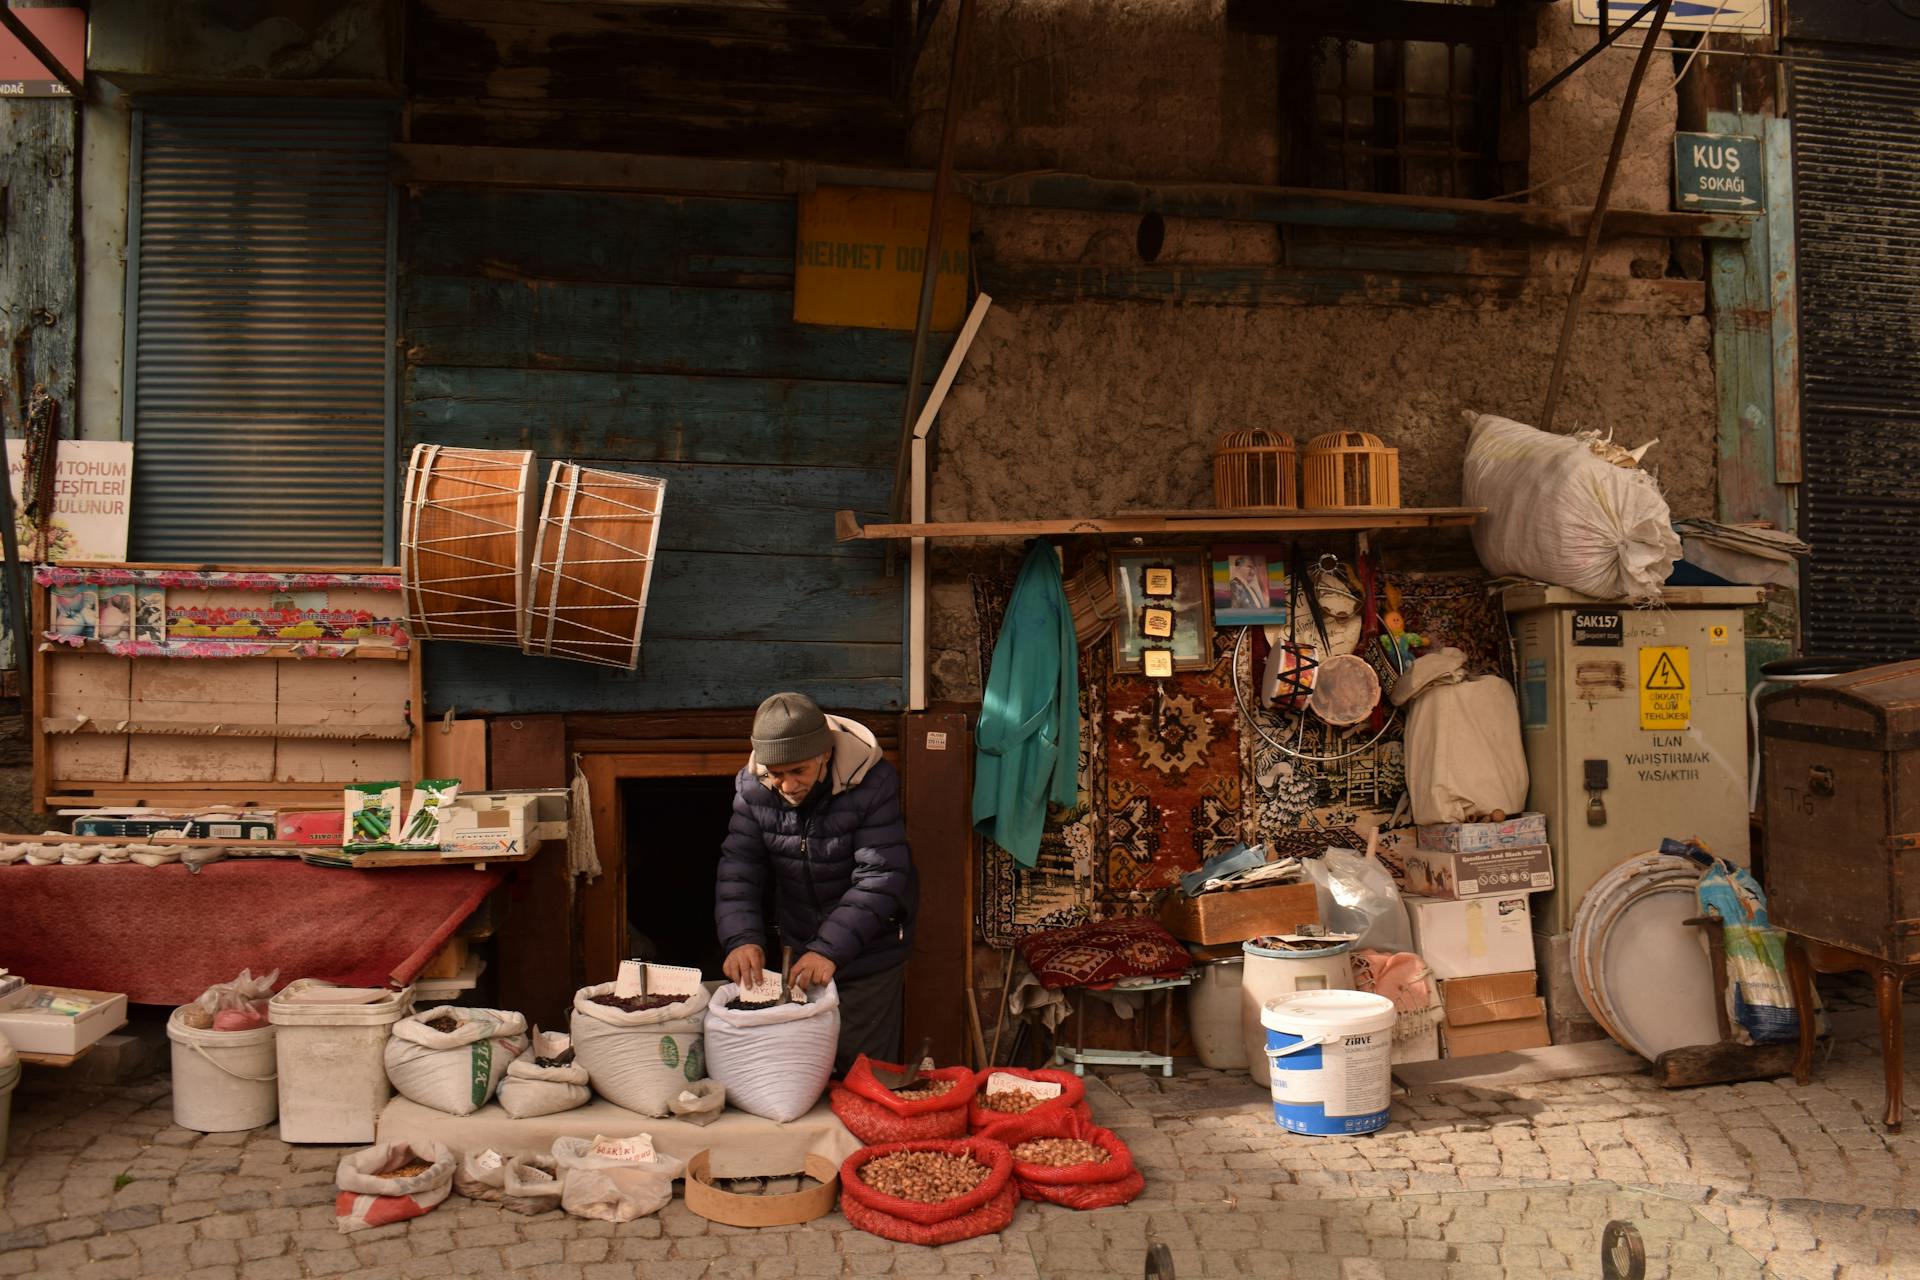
<point x="1170" y="771"/>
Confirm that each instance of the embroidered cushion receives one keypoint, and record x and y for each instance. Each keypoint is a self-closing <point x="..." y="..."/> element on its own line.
<point x="1103" y="953"/>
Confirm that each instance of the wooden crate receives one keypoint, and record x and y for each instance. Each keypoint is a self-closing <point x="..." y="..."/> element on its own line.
<point x="1239" y="914"/>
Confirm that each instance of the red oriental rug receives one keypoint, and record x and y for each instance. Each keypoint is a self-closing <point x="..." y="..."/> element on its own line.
<point x="163" y="934"/>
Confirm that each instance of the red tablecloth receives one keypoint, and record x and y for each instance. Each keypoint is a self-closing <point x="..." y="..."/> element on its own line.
<point x="163" y="934"/>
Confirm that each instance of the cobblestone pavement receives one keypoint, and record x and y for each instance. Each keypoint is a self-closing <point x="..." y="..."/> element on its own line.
<point x="1465" y="1183"/>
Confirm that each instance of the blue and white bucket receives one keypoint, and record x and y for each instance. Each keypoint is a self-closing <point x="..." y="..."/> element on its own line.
<point x="1330" y="1054"/>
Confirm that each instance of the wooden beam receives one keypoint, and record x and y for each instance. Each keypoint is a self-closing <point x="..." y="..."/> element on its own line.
<point x="420" y="165"/>
<point x="848" y="526"/>
<point x="1777" y="167"/>
<point x="1250" y="286"/>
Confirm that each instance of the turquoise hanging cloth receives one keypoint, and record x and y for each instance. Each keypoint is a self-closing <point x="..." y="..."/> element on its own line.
<point x="1028" y="746"/>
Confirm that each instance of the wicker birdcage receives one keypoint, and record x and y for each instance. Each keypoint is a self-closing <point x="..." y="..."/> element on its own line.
<point x="1253" y="470"/>
<point x="1350" y="469"/>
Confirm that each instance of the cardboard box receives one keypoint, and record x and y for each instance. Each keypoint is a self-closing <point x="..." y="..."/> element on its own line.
<point x="1437" y="873"/>
<point x="1471" y="837"/>
<point x="236" y="827"/>
<point x="1496" y="1013"/>
<point x="1235" y="915"/>
<point x="1497" y="1037"/>
<point x="313" y="826"/>
<point x="1469" y="937"/>
<point x="43" y="1031"/>
<point x="487" y="822"/>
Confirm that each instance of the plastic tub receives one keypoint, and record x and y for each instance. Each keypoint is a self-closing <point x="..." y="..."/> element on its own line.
<point x="223" y="1080"/>
<point x="1331" y="1054"/>
<point x="332" y="1063"/>
<point x="9" y="1077"/>
<point x="1270" y="975"/>
<point x="1213" y="1011"/>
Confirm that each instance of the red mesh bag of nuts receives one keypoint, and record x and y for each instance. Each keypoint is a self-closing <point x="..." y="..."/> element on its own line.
<point x="1065" y="1159"/>
<point x="936" y="1107"/>
<point x="929" y="1192"/>
<point x="993" y="1103"/>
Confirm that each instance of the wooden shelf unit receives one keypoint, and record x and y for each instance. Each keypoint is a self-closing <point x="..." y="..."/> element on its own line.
<point x="847" y="526"/>
<point x="107" y="727"/>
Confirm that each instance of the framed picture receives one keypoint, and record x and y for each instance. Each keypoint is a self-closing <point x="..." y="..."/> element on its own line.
<point x="1249" y="586"/>
<point x="1157" y="663"/>
<point x="1182" y="572"/>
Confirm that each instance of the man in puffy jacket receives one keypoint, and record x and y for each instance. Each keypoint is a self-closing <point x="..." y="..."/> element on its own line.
<point x="816" y="812"/>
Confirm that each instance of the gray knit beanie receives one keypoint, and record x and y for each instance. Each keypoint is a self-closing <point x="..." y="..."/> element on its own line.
<point x="789" y="728"/>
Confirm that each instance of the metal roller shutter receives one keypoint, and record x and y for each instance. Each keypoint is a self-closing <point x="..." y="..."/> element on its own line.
<point x="1856" y="163"/>
<point x="258" y="335"/>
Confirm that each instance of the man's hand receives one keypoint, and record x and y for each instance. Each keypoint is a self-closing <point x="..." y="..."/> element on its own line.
<point x="811" y="970"/>
<point x="743" y="965"/>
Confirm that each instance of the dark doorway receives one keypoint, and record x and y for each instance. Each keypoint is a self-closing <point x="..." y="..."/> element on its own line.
<point x="674" y="827"/>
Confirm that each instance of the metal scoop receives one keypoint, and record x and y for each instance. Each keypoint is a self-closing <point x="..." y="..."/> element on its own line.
<point x="898" y="1080"/>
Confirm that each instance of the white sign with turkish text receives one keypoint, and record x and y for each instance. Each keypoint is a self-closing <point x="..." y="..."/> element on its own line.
<point x="92" y="502"/>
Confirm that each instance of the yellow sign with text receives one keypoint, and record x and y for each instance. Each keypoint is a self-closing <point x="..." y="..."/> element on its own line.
<point x="860" y="252"/>
<point x="1666" y="688"/>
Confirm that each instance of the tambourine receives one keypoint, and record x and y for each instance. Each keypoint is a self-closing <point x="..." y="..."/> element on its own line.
<point x="1345" y="690"/>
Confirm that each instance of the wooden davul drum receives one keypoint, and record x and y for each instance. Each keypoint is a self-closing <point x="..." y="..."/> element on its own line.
<point x="592" y="565"/>
<point x="465" y="538"/>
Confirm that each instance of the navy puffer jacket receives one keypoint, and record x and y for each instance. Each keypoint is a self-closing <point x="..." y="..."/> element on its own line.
<point x="844" y="883"/>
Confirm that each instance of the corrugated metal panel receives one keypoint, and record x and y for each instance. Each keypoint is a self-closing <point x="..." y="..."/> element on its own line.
<point x="259" y="326"/>
<point x="1856" y="153"/>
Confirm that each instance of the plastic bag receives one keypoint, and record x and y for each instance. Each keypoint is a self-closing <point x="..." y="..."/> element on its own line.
<point x="775" y="1063"/>
<point x="1759" y="997"/>
<point x="874" y="1113"/>
<point x="454" y="1071"/>
<point x="1557" y="513"/>
<point x="239" y="1005"/>
<point x="532" y="1184"/>
<point x="984" y="1210"/>
<point x="1072" y="1097"/>
<point x="1463" y="748"/>
<point x="481" y="1175"/>
<point x="1358" y="896"/>
<point x="601" y="1180"/>
<point x="1113" y="1181"/>
<point x="368" y="1199"/>
<point x="640" y="1061"/>
<point x="531" y="1090"/>
<point x="700" y="1102"/>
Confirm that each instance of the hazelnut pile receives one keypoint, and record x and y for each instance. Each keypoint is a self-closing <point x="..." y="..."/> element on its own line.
<point x="924" y="1090"/>
<point x="411" y="1169"/>
<point x="924" y="1177"/>
<point x="446" y="1024"/>
<point x="1012" y="1101"/>
<point x="1058" y="1153"/>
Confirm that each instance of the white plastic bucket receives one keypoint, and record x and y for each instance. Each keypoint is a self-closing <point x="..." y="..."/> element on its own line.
<point x="1213" y="1012"/>
<point x="1331" y="1054"/>
<point x="332" y="1063"/>
<point x="1271" y="975"/>
<point x="223" y="1080"/>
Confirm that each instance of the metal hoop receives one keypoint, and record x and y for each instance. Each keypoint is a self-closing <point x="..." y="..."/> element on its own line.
<point x="1240" y="701"/>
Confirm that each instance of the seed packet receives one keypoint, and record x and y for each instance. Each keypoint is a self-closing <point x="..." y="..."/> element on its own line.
<point x="150" y="615"/>
<point x="372" y="809"/>
<point x="424" y="814"/>
<point x="115" y="619"/>
<point x="75" y="610"/>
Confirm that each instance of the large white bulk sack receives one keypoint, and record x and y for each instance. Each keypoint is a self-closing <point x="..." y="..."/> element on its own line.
<point x="775" y="1063"/>
<point x="640" y="1061"/>
<point x="1464" y="755"/>
<point x="1559" y="514"/>
<point x="454" y="1071"/>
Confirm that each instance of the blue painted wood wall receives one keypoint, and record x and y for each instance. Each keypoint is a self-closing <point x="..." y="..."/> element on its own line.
<point x="654" y="334"/>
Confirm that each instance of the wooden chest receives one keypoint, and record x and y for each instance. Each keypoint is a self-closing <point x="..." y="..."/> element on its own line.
<point x="1840" y="793"/>
<point x="1236" y="915"/>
